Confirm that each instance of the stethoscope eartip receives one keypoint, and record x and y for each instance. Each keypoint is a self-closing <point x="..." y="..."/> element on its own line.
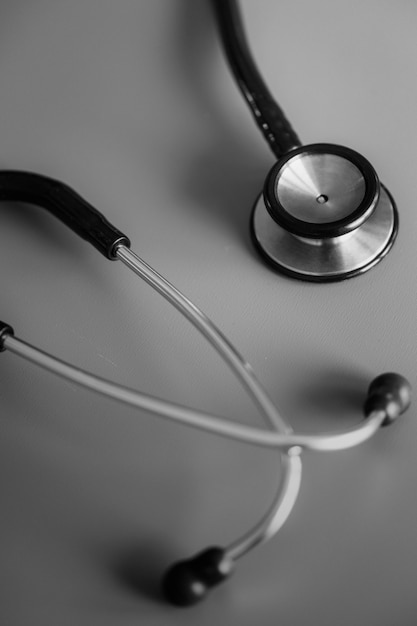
<point x="390" y="393"/>
<point x="188" y="582"/>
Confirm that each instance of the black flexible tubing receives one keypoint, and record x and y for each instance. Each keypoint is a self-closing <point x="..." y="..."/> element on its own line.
<point x="65" y="204"/>
<point x="268" y="115"/>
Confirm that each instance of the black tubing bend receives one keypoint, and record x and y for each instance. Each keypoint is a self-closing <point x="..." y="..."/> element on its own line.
<point x="65" y="204"/>
<point x="268" y="115"/>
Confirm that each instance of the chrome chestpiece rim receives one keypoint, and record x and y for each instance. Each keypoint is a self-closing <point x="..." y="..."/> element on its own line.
<point x="323" y="215"/>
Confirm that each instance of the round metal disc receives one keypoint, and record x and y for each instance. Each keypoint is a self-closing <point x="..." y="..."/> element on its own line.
<point x="329" y="259"/>
<point x="320" y="188"/>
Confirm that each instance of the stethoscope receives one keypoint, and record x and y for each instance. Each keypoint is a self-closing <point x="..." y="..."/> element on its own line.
<point x="323" y="216"/>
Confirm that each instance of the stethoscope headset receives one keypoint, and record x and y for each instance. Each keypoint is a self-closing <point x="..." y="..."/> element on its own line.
<point x="323" y="216"/>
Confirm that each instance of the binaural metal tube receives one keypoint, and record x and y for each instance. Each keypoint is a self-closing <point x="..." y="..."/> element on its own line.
<point x="279" y="511"/>
<point x="291" y="467"/>
<point x="214" y="336"/>
<point x="327" y="442"/>
<point x="281" y="438"/>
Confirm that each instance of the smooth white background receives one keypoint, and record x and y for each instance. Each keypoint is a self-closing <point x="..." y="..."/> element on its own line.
<point x="131" y="103"/>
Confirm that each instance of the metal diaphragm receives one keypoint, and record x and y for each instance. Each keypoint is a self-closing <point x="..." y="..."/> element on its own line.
<point x="323" y="215"/>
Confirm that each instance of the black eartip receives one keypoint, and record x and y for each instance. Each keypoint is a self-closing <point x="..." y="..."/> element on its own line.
<point x="187" y="582"/>
<point x="5" y="330"/>
<point x="390" y="393"/>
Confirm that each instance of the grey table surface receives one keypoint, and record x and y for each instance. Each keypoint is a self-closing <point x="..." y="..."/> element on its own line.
<point x="131" y="103"/>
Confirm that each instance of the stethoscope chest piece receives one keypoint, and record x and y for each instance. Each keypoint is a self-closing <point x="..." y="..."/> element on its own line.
<point x="323" y="215"/>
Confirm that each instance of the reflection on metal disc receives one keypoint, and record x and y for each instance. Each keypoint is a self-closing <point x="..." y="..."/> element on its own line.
<point x="330" y="259"/>
<point x="320" y="188"/>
